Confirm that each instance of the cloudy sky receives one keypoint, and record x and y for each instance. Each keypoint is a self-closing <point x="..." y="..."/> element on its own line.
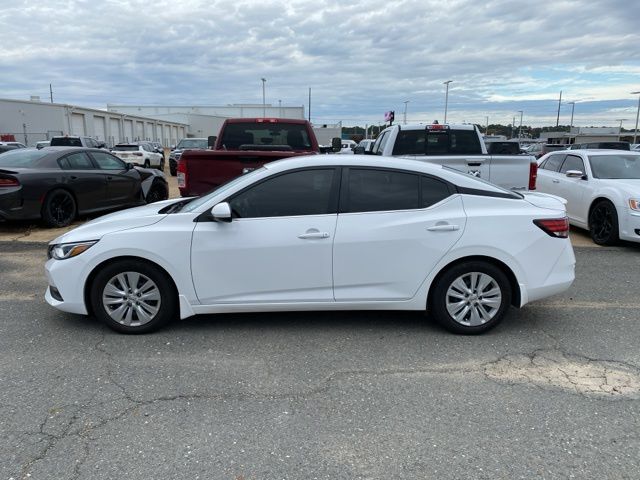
<point x="360" y="57"/>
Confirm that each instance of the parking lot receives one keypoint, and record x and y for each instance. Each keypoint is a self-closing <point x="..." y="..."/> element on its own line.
<point x="552" y="392"/>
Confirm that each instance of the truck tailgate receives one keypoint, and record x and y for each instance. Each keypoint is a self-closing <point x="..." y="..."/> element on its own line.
<point x="511" y="171"/>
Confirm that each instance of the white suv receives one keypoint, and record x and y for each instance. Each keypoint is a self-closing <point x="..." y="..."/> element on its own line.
<point x="142" y="154"/>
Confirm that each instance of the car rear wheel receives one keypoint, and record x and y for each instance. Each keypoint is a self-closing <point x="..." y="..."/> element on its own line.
<point x="603" y="223"/>
<point x="471" y="298"/>
<point x="59" y="208"/>
<point x="133" y="296"/>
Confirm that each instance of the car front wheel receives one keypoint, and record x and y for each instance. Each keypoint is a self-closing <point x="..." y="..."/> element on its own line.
<point x="603" y="223"/>
<point x="133" y="296"/>
<point x="471" y="298"/>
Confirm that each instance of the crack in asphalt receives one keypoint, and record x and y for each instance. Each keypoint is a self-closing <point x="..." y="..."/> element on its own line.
<point x="543" y="368"/>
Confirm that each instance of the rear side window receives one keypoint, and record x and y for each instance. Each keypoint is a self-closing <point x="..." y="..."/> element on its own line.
<point x="306" y="192"/>
<point x="76" y="161"/>
<point x="433" y="191"/>
<point x="106" y="161"/>
<point x="380" y="190"/>
<point x="553" y="163"/>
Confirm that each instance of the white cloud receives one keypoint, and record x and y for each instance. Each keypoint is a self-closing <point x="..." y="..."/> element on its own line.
<point x="360" y="58"/>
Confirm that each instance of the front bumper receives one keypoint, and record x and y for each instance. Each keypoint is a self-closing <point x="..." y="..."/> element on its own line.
<point x="63" y="275"/>
<point x="630" y="225"/>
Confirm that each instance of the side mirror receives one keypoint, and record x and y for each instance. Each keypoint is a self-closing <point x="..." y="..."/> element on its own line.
<point x="574" y="174"/>
<point x="211" y="141"/>
<point x="221" y="212"/>
<point x="336" y="144"/>
<point x="129" y="165"/>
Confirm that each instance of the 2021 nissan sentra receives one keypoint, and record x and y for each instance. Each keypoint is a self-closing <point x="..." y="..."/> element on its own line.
<point x="330" y="232"/>
<point x="58" y="183"/>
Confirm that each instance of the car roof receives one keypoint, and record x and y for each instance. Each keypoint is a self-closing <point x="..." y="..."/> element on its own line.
<point x="422" y="126"/>
<point x="604" y="151"/>
<point x="377" y="161"/>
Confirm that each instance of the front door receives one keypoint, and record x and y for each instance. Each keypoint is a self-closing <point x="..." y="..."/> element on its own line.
<point x="278" y="246"/>
<point x="123" y="185"/>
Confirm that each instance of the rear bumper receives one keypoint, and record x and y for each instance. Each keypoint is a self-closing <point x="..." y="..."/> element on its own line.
<point x="559" y="279"/>
<point x="13" y="206"/>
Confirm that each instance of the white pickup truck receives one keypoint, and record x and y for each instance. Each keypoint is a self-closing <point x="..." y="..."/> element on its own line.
<point x="460" y="147"/>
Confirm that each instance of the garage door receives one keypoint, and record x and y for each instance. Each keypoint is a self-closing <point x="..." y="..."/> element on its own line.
<point x="77" y="124"/>
<point x="114" y="131"/>
<point x="100" y="128"/>
<point x="128" y="130"/>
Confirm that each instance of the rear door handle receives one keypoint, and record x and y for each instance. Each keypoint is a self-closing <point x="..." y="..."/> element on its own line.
<point x="308" y="235"/>
<point x="443" y="228"/>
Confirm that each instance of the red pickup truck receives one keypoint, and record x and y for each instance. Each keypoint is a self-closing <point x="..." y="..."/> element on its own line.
<point x="243" y="144"/>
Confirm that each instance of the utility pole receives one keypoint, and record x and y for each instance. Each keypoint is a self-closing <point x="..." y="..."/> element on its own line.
<point x="309" y="104"/>
<point x="620" y="127"/>
<point x="264" y="105"/>
<point x="520" y="128"/>
<point x="51" y="92"/>
<point x="486" y="130"/>
<point x="280" y="108"/>
<point x="635" y="132"/>
<point x="405" y="111"/>
<point x="559" y="102"/>
<point x="446" y="99"/>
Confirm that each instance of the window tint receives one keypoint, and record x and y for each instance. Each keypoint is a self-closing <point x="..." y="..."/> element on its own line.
<point x="433" y="191"/>
<point x="467" y="142"/>
<point x="76" y="161"/>
<point x="251" y="135"/>
<point x="306" y="192"/>
<point x="572" y="163"/>
<point x="553" y="163"/>
<point x="379" y="190"/>
<point x="66" y="142"/>
<point x="437" y="142"/>
<point x="107" y="161"/>
<point x="378" y="148"/>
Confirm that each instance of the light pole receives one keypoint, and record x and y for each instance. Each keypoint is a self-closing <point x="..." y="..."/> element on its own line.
<point x="264" y="105"/>
<point x="486" y="130"/>
<point x="280" y="108"/>
<point x="405" y="111"/>
<point x="573" y="105"/>
<point x="446" y="99"/>
<point x="620" y="127"/>
<point x="520" y="128"/>
<point x="635" y="132"/>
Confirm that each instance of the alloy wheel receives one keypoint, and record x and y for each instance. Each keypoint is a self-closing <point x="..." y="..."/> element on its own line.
<point x="473" y="299"/>
<point x="131" y="299"/>
<point x="601" y="222"/>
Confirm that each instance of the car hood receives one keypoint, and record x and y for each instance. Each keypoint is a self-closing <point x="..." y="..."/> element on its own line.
<point x="545" y="200"/>
<point x="116" y="222"/>
<point x="630" y="185"/>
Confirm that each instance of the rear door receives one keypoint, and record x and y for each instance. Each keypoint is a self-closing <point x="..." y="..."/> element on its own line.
<point x="393" y="228"/>
<point x="123" y="185"/>
<point x="86" y="182"/>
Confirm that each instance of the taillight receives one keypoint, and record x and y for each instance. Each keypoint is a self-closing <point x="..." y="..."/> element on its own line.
<point x="9" y="182"/>
<point x="533" y="175"/>
<point x="554" y="227"/>
<point x="182" y="175"/>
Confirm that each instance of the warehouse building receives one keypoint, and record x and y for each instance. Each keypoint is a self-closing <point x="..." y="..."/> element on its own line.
<point x="31" y="121"/>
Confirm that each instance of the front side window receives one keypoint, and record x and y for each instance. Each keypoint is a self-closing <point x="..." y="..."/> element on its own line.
<point x="379" y="190"/>
<point x="306" y="192"/>
<point x="107" y="161"/>
<point x="572" y="163"/>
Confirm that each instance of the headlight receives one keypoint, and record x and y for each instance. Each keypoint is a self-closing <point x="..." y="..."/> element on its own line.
<point x="634" y="204"/>
<point x="68" y="250"/>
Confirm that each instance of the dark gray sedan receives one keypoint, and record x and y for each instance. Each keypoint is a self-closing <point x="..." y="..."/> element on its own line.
<point x="56" y="184"/>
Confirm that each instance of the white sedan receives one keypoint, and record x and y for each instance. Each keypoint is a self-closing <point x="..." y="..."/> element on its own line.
<point x="325" y="232"/>
<point x="602" y="189"/>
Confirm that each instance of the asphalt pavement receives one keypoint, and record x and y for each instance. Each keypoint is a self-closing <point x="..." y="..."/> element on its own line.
<point x="552" y="392"/>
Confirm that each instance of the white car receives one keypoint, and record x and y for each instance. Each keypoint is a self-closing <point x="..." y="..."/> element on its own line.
<point x="602" y="189"/>
<point x="325" y="232"/>
<point x="142" y="154"/>
<point x="13" y="144"/>
<point x="347" y="147"/>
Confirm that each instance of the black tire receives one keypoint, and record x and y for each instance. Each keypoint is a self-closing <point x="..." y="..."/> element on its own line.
<point x="603" y="223"/>
<point x="59" y="208"/>
<point x="161" y="167"/>
<point x="173" y="171"/>
<point x="146" y="164"/>
<point x="166" y="303"/>
<point x="479" y="300"/>
<point x="157" y="193"/>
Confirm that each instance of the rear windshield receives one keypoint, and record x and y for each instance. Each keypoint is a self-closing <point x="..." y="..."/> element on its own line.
<point x="126" y="148"/>
<point x="21" y="157"/>
<point x="437" y="142"/>
<point x="503" y="148"/>
<point x="265" y="136"/>
<point x="65" y="142"/>
<point x="195" y="143"/>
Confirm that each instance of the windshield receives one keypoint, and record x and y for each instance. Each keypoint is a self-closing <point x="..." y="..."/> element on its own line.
<point x="197" y="202"/>
<point x="21" y="157"/>
<point x="66" y="142"/>
<point x="614" y="166"/>
<point x="199" y="143"/>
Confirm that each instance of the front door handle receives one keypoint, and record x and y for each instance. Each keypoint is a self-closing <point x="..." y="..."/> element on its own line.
<point x="443" y="228"/>
<point x="313" y="234"/>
